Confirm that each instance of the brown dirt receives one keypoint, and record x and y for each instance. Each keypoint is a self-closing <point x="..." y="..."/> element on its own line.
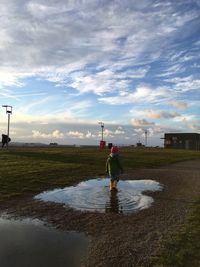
<point x="125" y="240"/>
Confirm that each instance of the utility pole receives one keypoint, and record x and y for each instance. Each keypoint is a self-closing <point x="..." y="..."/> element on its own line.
<point x="145" y="138"/>
<point x="9" y="112"/>
<point x="102" y="129"/>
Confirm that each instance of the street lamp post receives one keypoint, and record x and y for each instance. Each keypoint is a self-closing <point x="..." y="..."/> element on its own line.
<point x="145" y="137"/>
<point x="102" y="129"/>
<point x="9" y="112"/>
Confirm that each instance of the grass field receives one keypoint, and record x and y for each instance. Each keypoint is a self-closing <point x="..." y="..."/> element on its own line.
<point x="28" y="171"/>
<point x="183" y="248"/>
<point x="31" y="170"/>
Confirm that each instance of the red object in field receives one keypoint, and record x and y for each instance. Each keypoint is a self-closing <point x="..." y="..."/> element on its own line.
<point x="102" y="144"/>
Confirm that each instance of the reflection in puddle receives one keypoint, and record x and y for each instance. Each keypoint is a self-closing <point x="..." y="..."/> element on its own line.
<point x="94" y="195"/>
<point x="29" y="243"/>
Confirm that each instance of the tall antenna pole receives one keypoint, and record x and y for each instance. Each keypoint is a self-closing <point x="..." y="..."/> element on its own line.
<point x="102" y="129"/>
<point x="145" y="138"/>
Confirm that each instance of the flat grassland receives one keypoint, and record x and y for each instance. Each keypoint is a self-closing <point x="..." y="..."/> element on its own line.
<point x="116" y="240"/>
<point x="26" y="171"/>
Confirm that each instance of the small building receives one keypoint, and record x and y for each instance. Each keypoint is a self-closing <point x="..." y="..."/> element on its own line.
<point x="189" y="141"/>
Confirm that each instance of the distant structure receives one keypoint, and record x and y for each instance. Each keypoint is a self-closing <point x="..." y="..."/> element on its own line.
<point x="190" y="141"/>
<point x="53" y="144"/>
<point x="146" y="137"/>
<point x="139" y="144"/>
<point x="102" y="142"/>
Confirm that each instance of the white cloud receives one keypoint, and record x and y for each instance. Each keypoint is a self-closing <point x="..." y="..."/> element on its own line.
<point x="178" y="104"/>
<point x="142" y="122"/>
<point x="119" y="131"/>
<point x="6" y="93"/>
<point x="101" y="82"/>
<point x="173" y="69"/>
<point x="37" y="37"/>
<point x="197" y="43"/>
<point x="194" y="127"/>
<point x="184" y="84"/>
<point x="9" y="77"/>
<point x="81" y="135"/>
<point x="76" y="134"/>
<point x="105" y="81"/>
<point x="156" y="130"/>
<point x="41" y="11"/>
<point x="185" y="117"/>
<point x="55" y="134"/>
<point x="94" y="134"/>
<point x="161" y="114"/>
<point x="90" y="135"/>
<point x="108" y="133"/>
<point x="141" y="94"/>
<point x="36" y="110"/>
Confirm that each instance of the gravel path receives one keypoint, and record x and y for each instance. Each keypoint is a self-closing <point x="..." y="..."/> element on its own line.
<point x="125" y="240"/>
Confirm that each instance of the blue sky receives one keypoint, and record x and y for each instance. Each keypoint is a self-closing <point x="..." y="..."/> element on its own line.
<point x="66" y="65"/>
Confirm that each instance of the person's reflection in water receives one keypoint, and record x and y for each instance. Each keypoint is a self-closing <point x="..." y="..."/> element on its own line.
<point x="113" y="205"/>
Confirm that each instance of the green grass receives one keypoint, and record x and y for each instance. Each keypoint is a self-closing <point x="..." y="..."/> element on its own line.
<point x="183" y="248"/>
<point x="27" y="171"/>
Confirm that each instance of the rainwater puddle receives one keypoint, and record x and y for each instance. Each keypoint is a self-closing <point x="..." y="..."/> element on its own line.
<point x="28" y="243"/>
<point x="94" y="195"/>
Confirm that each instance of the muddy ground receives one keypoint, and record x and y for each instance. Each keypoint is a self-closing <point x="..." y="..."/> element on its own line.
<point x="125" y="240"/>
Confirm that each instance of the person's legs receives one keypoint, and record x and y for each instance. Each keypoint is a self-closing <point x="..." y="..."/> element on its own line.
<point x="113" y="182"/>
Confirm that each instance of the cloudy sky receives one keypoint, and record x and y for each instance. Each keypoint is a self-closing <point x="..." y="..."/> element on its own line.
<point x="67" y="65"/>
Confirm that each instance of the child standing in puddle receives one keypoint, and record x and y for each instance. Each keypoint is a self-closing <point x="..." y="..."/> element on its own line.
<point x="113" y="168"/>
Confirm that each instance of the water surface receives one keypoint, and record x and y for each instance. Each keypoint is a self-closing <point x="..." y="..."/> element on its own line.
<point x="28" y="243"/>
<point x="94" y="195"/>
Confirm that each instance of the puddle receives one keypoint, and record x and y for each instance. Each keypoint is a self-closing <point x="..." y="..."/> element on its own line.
<point x="28" y="243"/>
<point x="93" y="195"/>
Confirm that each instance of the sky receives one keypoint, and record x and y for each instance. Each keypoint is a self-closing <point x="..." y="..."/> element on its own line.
<point x="65" y="66"/>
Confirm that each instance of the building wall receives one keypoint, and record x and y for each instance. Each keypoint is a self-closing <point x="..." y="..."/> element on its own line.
<point x="182" y="141"/>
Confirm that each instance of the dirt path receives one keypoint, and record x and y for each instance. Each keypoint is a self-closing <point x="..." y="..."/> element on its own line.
<point x="125" y="240"/>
